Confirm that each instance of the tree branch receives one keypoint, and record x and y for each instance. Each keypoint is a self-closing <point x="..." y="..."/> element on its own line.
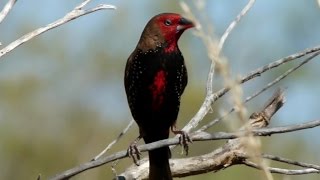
<point x="233" y="24"/>
<point x="284" y="171"/>
<point x="288" y="161"/>
<point x="206" y="106"/>
<point x="6" y="9"/>
<point x="232" y="153"/>
<point x="278" y="79"/>
<point x="257" y="72"/>
<point x="233" y="148"/>
<point x="74" y="14"/>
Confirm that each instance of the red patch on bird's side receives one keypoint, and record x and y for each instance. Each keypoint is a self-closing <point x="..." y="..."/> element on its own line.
<point x="157" y="89"/>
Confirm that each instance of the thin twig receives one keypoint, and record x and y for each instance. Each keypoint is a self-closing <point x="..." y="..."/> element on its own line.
<point x="6" y="9"/>
<point x="289" y="161"/>
<point x="81" y="5"/>
<point x="222" y="41"/>
<point x="257" y="72"/>
<point x="285" y="129"/>
<point x="235" y="22"/>
<point x="114" y="141"/>
<point x="282" y="76"/>
<point x="74" y="14"/>
<point x="284" y="171"/>
<point x="279" y="62"/>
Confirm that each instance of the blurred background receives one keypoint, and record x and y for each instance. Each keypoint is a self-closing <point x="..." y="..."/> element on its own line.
<point x="62" y="97"/>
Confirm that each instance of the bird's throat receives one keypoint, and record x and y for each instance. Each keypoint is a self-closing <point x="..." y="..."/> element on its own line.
<point x="172" y="46"/>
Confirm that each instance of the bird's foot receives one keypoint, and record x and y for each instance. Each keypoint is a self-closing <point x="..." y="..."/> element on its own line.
<point x="184" y="139"/>
<point x="133" y="151"/>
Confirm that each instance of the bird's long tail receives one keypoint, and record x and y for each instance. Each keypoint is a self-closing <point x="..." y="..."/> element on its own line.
<point x="159" y="168"/>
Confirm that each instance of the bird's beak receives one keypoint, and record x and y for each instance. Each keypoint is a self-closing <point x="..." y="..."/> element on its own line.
<point x="184" y="24"/>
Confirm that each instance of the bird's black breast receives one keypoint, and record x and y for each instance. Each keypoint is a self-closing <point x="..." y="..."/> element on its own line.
<point x="154" y="83"/>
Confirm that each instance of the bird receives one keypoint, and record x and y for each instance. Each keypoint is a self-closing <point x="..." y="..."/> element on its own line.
<point x="155" y="78"/>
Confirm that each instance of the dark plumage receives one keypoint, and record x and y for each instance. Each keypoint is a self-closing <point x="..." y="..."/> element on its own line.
<point x="155" y="78"/>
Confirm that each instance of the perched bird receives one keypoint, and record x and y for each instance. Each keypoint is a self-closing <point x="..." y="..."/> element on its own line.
<point x="155" y="78"/>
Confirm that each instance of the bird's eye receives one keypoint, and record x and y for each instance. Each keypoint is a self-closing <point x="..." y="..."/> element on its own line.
<point x="167" y="22"/>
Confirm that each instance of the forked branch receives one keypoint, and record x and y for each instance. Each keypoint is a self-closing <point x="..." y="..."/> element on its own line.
<point x="233" y="152"/>
<point x="74" y="14"/>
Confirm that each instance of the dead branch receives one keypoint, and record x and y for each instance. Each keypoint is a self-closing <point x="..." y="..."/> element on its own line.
<point x="232" y="153"/>
<point x="233" y="149"/>
<point x="289" y="161"/>
<point x="270" y="84"/>
<point x="284" y="171"/>
<point x="6" y="9"/>
<point x="77" y="12"/>
<point x="206" y="106"/>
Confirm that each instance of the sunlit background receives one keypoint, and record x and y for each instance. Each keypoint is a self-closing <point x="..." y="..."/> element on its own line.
<point x="62" y="97"/>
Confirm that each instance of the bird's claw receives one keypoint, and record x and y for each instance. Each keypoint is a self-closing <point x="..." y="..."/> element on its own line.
<point x="134" y="153"/>
<point x="184" y="141"/>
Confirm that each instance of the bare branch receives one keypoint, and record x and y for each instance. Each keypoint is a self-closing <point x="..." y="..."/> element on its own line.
<point x="279" y="62"/>
<point x="288" y="161"/>
<point x="74" y="14"/>
<point x="285" y="129"/>
<point x="6" y="9"/>
<point x="284" y="171"/>
<point x="278" y="79"/>
<point x="235" y="22"/>
<point x="81" y="5"/>
<point x="174" y="141"/>
<point x="273" y="105"/>
<point x="232" y="153"/>
<point x="284" y="75"/>
<point x="206" y="106"/>
<point x="259" y="71"/>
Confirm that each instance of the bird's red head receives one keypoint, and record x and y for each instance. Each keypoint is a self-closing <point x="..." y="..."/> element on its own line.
<point x="165" y="28"/>
<point x="172" y="25"/>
